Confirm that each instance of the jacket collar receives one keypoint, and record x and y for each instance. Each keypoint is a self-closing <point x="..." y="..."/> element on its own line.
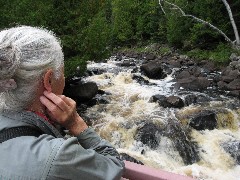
<point x="10" y="119"/>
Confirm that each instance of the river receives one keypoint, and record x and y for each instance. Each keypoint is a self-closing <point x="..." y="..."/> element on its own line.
<point x="130" y="107"/>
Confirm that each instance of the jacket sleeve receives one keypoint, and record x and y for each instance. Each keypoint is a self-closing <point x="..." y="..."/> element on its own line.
<point x="86" y="156"/>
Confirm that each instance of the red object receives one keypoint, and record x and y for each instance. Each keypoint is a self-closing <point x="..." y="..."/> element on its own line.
<point x="44" y="117"/>
<point x="135" y="171"/>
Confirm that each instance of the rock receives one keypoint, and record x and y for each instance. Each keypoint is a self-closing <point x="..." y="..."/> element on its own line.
<point x="226" y="71"/>
<point x="183" y="74"/>
<point x="149" y="134"/>
<point x="234" y="74"/>
<point x="126" y="64"/>
<point x="222" y="85"/>
<point x="195" y="71"/>
<point x="234" y="93"/>
<point x="124" y="156"/>
<point x="153" y="70"/>
<point x="82" y="92"/>
<point x="140" y="79"/>
<point x="174" y="63"/>
<point x="95" y="71"/>
<point x="233" y="57"/>
<point x="209" y="67"/>
<point x="168" y="102"/>
<point x="190" y="99"/>
<point x="150" y="57"/>
<point x="194" y="83"/>
<point x="119" y="57"/>
<point x="183" y="57"/>
<point x="204" y="120"/>
<point x="174" y="101"/>
<point x="233" y="148"/>
<point x="233" y="64"/>
<point x="234" y="85"/>
<point x="181" y="139"/>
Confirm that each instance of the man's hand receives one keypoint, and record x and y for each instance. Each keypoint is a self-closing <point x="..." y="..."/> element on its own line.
<point x="62" y="110"/>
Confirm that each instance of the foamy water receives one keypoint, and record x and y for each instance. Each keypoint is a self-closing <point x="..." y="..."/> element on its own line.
<point x="130" y="106"/>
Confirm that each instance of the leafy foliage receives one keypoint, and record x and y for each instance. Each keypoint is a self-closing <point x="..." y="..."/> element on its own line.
<point x="89" y="30"/>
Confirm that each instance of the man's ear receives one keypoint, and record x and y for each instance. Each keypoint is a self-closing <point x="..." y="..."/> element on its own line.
<point x="47" y="80"/>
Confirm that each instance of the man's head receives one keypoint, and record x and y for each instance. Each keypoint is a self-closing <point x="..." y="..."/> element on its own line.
<point x="26" y="55"/>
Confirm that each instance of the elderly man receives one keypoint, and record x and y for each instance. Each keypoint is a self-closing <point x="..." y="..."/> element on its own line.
<point x="31" y="104"/>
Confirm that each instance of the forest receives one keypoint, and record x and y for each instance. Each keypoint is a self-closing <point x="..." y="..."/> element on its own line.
<point x="91" y="30"/>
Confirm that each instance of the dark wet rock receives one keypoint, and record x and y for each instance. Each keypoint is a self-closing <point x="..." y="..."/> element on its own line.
<point x="194" y="83"/>
<point x="158" y="98"/>
<point x="148" y="134"/>
<point x="190" y="99"/>
<point x="181" y="139"/>
<point x="175" y="63"/>
<point x="234" y="93"/>
<point x="226" y="71"/>
<point x="222" y="85"/>
<point x="203" y="99"/>
<point x="82" y="92"/>
<point x="234" y="85"/>
<point x="209" y="67"/>
<point x="150" y="57"/>
<point x="153" y="70"/>
<point x="126" y="64"/>
<point x="166" y="68"/>
<point x="140" y="79"/>
<point x="174" y="101"/>
<point x="98" y="99"/>
<point x="72" y="80"/>
<point x="195" y="71"/>
<point x="168" y="102"/>
<point x="183" y="74"/>
<point x="95" y="71"/>
<point x="135" y="70"/>
<point x="231" y="76"/>
<point x="233" y="148"/>
<point x="124" y="156"/>
<point x="204" y="120"/>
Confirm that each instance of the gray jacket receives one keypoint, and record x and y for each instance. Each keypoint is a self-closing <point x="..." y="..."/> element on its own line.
<point x="86" y="156"/>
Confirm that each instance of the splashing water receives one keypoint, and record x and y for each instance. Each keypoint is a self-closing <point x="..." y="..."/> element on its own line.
<point x="180" y="148"/>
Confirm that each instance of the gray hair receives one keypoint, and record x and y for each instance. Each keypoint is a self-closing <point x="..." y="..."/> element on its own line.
<point x="25" y="54"/>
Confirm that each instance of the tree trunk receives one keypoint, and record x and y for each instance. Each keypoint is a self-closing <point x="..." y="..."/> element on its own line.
<point x="232" y="22"/>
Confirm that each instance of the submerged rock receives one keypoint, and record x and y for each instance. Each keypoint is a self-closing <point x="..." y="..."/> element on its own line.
<point x="204" y="120"/>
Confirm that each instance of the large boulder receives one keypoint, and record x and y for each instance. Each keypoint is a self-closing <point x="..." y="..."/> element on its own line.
<point x="194" y="83"/>
<point x="82" y="92"/>
<point x="153" y="70"/>
<point x="204" y="120"/>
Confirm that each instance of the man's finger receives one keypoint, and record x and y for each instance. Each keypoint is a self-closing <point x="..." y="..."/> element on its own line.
<point x="56" y="100"/>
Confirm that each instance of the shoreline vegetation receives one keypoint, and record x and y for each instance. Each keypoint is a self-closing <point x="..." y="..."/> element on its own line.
<point x="94" y="30"/>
